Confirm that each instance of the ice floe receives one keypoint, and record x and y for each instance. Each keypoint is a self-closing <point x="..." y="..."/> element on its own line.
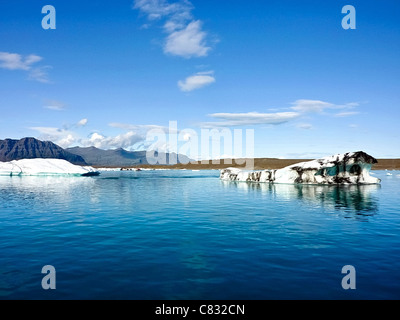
<point x="34" y="167"/>
<point x="347" y="168"/>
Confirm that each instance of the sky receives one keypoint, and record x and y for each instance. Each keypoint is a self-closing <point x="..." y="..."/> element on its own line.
<point x="111" y="72"/>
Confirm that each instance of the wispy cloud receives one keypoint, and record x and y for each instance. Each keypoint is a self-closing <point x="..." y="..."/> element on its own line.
<point x="15" y="61"/>
<point x="310" y="105"/>
<point x="67" y="138"/>
<point x="185" y="37"/>
<point x="82" y="123"/>
<point x="133" y="139"/>
<point x="305" y="126"/>
<point x="347" y="114"/>
<point x="54" y="105"/>
<point x="70" y="135"/>
<point x="157" y="9"/>
<point x="40" y="74"/>
<point x="250" y="118"/>
<point x="302" y="108"/>
<point x="64" y="137"/>
<point x="143" y="129"/>
<point x="196" y="81"/>
<point x="125" y="140"/>
<point x="317" y="106"/>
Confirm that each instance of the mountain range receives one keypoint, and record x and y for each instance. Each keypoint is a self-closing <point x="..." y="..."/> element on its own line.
<point x="30" y="148"/>
<point x="120" y="157"/>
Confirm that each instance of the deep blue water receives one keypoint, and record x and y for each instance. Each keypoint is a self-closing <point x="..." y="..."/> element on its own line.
<point x="188" y="235"/>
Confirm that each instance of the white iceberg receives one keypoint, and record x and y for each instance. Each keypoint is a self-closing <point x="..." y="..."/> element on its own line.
<point x="348" y="168"/>
<point x="35" y="167"/>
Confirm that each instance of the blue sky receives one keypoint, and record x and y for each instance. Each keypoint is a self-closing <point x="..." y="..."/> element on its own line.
<point x="111" y="71"/>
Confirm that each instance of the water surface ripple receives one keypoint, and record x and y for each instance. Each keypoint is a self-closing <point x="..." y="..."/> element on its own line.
<point x="188" y="235"/>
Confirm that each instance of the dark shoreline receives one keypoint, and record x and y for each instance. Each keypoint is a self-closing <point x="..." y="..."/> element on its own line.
<point x="259" y="164"/>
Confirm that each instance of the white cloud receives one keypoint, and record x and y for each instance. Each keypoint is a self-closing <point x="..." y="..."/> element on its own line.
<point x="66" y="141"/>
<point x="62" y="137"/>
<point x="31" y="59"/>
<point x="196" y="81"/>
<point x="39" y="74"/>
<point x="135" y="137"/>
<point x="54" y="105"/>
<point x="156" y="9"/>
<point x="82" y="123"/>
<point x="15" y="61"/>
<point x="142" y="129"/>
<point x="300" y="108"/>
<point x="185" y="37"/>
<point x="188" y="42"/>
<point x="154" y="16"/>
<point x="250" y="118"/>
<point x="68" y="136"/>
<point x="145" y="26"/>
<point x="317" y="106"/>
<point x="170" y="26"/>
<point x="346" y="114"/>
<point x="125" y="140"/>
<point x="49" y="131"/>
<point x="305" y="126"/>
<point x="310" y="105"/>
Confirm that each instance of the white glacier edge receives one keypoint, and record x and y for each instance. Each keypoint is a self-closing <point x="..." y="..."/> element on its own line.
<point x="347" y="168"/>
<point x="43" y="167"/>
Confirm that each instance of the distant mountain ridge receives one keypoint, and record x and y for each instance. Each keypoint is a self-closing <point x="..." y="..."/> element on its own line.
<point x="31" y="148"/>
<point x="121" y="157"/>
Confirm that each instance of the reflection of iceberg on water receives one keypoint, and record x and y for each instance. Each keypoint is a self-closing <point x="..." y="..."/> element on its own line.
<point x="35" y="167"/>
<point x="356" y="198"/>
<point x="348" y="168"/>
<point x="359" y="198"/>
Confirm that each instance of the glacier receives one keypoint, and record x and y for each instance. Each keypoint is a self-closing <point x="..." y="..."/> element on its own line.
<point x="347" y="168"/>
<point x="39" y="167"/>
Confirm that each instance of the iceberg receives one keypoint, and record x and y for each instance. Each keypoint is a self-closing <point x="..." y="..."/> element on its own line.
<point x="347" y="168"/>
<point x="38" y="167"/>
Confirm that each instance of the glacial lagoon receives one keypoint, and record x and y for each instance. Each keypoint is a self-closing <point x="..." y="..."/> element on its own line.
<point x="187" y="235"/>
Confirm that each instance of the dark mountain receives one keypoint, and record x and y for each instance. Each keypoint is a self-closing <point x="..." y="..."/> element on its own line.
<point x="120" y="157"/>
<point x="31" y="148"/>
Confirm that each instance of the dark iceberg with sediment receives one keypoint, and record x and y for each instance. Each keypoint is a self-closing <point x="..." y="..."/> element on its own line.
<point x="347" y="168"/>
